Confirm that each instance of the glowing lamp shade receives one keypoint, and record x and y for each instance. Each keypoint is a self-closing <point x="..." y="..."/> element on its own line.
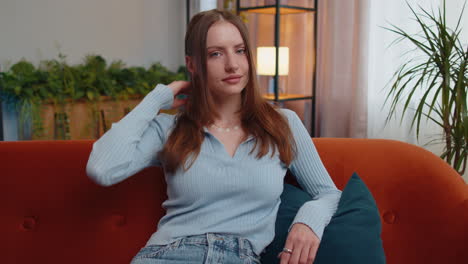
<point x="266" y="58"/>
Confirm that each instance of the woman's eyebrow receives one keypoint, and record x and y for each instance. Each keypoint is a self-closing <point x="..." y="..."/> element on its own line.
<point x="220" y="47"/>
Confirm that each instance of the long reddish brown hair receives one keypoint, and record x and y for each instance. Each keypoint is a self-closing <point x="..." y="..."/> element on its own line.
<point x="259" y="118"/>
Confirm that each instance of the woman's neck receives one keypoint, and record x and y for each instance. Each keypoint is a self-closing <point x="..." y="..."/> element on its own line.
<point x="227" y="109"/>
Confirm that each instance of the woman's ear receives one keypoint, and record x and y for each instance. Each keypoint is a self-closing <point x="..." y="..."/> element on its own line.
<point x="190" y="64"/>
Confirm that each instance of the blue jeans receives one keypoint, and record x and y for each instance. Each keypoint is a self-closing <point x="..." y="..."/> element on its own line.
<point x="200" y="249"/>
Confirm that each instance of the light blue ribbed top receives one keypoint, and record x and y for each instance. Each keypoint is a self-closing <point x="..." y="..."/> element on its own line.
<point x="237" y="195"/>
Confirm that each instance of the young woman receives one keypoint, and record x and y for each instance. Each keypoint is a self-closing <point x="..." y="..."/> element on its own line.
<point x="225" y="155"/>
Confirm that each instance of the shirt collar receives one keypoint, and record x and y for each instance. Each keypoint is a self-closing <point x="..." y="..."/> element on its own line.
<point x="249" y="137"/>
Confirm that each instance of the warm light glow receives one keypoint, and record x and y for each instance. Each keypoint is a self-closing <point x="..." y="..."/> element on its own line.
<point x="266" y="57"/>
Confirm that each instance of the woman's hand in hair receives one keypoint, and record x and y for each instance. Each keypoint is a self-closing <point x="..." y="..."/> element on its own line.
<point x="181" y="90"/>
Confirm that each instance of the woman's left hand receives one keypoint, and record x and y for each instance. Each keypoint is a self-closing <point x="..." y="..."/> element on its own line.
<point x="304" y="245"/>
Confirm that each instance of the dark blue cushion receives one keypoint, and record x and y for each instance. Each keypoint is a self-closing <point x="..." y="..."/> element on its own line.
<point x="352" y="236"/>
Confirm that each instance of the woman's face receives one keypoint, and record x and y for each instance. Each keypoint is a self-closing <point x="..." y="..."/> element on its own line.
<point x="227" y="64"/>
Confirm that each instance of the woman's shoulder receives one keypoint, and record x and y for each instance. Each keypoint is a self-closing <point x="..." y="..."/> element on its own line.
<point x="288" y="113"/>
<point x="294" y="121"/>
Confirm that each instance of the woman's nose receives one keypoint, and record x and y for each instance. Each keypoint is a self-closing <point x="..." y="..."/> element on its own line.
<point x="231" y="63"/>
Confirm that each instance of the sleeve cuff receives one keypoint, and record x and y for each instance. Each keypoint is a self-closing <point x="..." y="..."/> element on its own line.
<point x="316" y="214"/>
<point x="317" y="224"/>
<point x="160" y="97"/>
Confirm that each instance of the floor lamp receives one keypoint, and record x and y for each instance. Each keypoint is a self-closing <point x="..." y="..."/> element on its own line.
<point x="266" y="65"/>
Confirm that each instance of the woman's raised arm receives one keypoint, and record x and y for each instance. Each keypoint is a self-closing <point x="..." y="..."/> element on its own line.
<point x="133" y="143"/>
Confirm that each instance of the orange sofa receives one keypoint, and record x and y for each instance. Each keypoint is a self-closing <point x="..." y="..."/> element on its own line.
<point x="53" y="213"/>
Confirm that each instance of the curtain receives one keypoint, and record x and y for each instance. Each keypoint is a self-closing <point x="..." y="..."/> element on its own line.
<point x="384" y="59"/>
<point x="356" y="62"/>
<point x="355" y="65"/>
<point x="342" y="68"/>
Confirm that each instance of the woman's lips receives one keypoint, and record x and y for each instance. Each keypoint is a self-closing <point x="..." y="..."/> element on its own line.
<point x="233" y="80"/>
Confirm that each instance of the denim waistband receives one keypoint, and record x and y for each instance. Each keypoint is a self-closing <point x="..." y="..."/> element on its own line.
<point x="225" y="241"/>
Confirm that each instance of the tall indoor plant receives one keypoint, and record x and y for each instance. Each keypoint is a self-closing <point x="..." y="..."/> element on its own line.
<point x="442" y="74"/>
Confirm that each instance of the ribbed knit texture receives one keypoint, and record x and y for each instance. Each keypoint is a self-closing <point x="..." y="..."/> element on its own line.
<point x="238" y="195"/>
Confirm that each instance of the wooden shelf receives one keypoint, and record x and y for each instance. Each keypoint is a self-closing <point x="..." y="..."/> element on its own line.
<point x="272" y="11"/>
<point x="287" y="97"/>
<point x="276" y="9"/>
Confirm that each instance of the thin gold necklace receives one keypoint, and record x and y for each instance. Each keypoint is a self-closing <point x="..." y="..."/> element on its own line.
<point x="225" y="129"/>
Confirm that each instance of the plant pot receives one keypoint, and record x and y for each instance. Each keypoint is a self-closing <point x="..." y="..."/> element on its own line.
<point x="82" y="119"/>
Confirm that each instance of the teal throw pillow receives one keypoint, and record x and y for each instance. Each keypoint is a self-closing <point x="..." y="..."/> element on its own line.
<point x="352" y="236"/>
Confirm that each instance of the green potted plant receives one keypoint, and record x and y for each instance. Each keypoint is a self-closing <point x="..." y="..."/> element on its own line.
<point x="59" y="87"/>
<point x="442" y="74"/>
<point x="25" y="101"/>
<point x="55" y="85"/>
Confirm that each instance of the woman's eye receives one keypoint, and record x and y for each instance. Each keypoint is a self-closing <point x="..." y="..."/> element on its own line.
<point x="218" y="54"/>
<point x="215" y="54"/>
